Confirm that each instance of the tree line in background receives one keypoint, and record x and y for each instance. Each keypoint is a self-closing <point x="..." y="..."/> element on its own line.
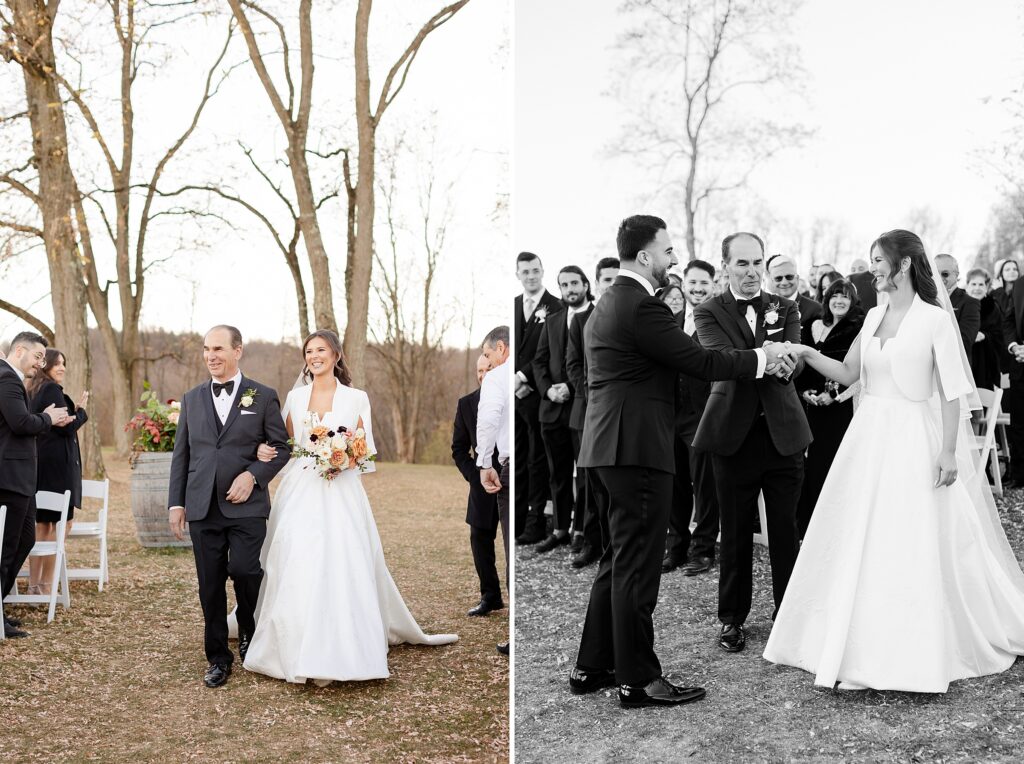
<point x="74" y="183"/>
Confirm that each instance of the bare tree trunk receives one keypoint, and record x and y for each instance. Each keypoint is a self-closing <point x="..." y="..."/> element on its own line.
<point x="32" y="49"/>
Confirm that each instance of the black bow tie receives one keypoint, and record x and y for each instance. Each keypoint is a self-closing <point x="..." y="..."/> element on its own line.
<point x="754" y="303"/>
<point x="218" y="386"/>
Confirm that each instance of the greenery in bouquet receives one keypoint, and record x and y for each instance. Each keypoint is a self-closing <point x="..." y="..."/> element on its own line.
<point x="155" y="424"/>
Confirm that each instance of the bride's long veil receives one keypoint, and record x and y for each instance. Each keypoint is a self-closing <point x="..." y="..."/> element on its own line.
<point x="974" y="478"/>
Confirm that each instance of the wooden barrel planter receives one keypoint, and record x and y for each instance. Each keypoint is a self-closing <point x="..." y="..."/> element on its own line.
<point x="151" y="476"/>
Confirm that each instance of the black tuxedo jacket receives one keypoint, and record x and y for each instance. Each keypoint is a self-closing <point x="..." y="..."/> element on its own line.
<point x="482" y="510"/>
<point x="968" y="316"/>
<point x="635" y="350"/>
<point x="734" y="405"/>
<point x="864" y="283"/>
<point x="206" y="461"/>
<point x="18" y="430"/>
<point x="528" y="332"/>
<point x="691" y="394"/>
<point x="1013" y="328"/>
<point x="810" y="309"/>
<point x="576" y="368"/>
<point x="59" y="456"/>
<point x="549" y="367"/>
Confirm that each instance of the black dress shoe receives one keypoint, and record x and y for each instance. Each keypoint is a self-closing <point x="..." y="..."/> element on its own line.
<point x="577" y="543"/>
<point x="486" y="606"/>
<point x="671" y="562"/>
<point x="503" y="648"/>
<point x="552" y="541"/>
<point x="587" y="556"/>
<point x="243" y="644"/>
<point x="583" y="681"/>
<point x="530" y="537"/>
<point x="733" y="638"/>
<point x="15" y="622"/>
<point x="217" y="674"/>
<point x="13" y="632"/>
<point x="697" y="566"/>
<point x="660" y="692"/>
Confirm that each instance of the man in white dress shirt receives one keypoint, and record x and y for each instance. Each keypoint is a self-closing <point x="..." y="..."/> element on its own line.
<point x="492" y="430"/>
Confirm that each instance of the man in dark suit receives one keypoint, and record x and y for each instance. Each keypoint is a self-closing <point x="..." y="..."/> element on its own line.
<point x="532" y="308"/>
<point x="864" y="283"/>
<point x="18" y="431"/>
<point x="757" y="433"/>
<point x="220" y="487"/>
<point x="482" y="508"/>
<point x="694" y="494"/>
<point x="784" y="281"/>
<point x="966" y="308"/>
<point x="635" y="351"/>
<point x="556" y="398"/>
<point x="1013" y="336"/>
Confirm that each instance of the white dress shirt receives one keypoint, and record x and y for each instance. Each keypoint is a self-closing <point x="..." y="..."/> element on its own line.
<point x="751" y="317"/>
<point x="492" y="417"/>
<point x="15" y="368"/>
<point x="222" y="403"/>
<point x="573" y="311"/>
<point x="638" y="278"/>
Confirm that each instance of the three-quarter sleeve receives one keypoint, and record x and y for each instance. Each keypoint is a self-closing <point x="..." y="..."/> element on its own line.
<point x="364" y="416"/>
<point x="948" y="363"/>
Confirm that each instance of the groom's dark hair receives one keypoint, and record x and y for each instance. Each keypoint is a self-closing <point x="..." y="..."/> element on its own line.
<point x="728" y="240"/>
<point x="635" y="233"/>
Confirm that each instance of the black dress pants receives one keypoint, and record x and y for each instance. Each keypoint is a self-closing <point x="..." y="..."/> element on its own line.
<point x="532" y="489"/>
<point x="227" y="547"/>
<point x="558" y="447"/>
<point x="619" y="629"/>
<point x="1015" y="432"/>
<point x="585" y="516"/>
<point x="757" y="467"/>
<point x="694" y="495"/>
<point x="19" y="537"/>
<point x="481" y="542"/>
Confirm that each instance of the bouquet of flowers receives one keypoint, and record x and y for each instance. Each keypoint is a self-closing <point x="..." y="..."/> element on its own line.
<point x="334" y="450"/>
<point x="155" y="424"/>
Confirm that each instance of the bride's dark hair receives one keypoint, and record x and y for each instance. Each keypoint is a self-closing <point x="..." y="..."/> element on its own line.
<point x="340" y="369"/>
<point x="898" y="244"/>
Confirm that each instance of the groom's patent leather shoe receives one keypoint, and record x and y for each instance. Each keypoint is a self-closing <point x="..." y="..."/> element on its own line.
<point x="217" y="674"/>
<point x="733" y="637"/>
<point x="243" y="644"/>
<point x="583" y="681"/>
<point x="660" y="692"/>
<point x="486" y="606"/>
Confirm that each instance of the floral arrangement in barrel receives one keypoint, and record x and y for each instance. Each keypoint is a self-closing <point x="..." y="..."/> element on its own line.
<point x="155" y="424"/>
<point x="332" y="451"/>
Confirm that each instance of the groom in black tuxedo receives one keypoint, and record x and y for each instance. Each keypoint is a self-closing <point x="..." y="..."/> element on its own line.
<point x="756" y="431"/>
<point x="220" y="487"/>
<point x="635" y="350"/>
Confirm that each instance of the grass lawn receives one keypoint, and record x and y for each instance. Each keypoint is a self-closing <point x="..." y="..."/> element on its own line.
<point x="118" y="677"/>
<point x="754" y="710"/>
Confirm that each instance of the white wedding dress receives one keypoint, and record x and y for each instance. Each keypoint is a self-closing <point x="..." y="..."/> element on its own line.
<point x="899" y="585"/>
<point x="328" y="608"/>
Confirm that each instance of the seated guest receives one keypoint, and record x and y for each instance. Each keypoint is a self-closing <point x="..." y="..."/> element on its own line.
<point x="783" y="281"/>
<point x="988" y="355"/>
<point x="1007" y="274"/>
<point x="829" y="406"/>
<point x="965" y="307"/>
<point x="60" y="460"/>
<point x="672" y="295"/>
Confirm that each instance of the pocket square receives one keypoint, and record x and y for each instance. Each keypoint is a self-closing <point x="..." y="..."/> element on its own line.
<point x="247" y="413"/>
<point x="776" y="331"/>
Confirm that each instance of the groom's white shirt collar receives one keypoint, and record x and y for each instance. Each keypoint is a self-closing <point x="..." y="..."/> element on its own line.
<point x="637" y="277"/>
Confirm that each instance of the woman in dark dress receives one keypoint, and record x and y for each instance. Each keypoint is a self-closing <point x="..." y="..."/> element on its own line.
<point x="1008" y="273"/>
<point x="829" y="406"/>
<point x="59" y="460"/>
<point x="989" y="350"/>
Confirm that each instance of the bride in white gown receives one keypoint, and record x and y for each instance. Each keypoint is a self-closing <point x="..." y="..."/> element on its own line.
<point x="905" y="580"/>
<point x="329" y="608"/>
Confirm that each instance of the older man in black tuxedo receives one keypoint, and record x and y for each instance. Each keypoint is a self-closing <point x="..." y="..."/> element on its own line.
<point x="18" y="430"/>
<point x="532" y="309"/>
<point x="756" y="431"/>
<point x="635" y="350"/>
<point x="965" y="307"/>
<point x="482" y="507"/>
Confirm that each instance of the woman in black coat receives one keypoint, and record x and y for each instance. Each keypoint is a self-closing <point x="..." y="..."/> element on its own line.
<point x="829" y="406"/>
<point x="1008" y="273"/>
<point x="988" y="354"/>
<point x="59" y="460"/>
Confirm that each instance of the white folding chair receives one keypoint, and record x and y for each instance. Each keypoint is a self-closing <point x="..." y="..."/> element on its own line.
<point x="59" y="584"/>
<point x="93" y="489"/>
<point x="984" y="443"/>
<point x="3" y="520"/>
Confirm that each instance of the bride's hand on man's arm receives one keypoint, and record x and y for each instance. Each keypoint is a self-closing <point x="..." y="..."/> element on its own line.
<point x="266" y="452"/>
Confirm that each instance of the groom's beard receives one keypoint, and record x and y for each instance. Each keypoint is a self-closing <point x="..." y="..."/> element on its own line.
<point x="661" y="277"/>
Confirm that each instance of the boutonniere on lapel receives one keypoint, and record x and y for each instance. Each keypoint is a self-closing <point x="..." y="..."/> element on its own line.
<point x="540" y="315"/>
<point x="248" y="398"/>
<point x="771" y="314"/>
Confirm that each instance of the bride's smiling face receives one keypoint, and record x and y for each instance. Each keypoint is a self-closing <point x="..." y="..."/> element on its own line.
<point x="320" y="359"/>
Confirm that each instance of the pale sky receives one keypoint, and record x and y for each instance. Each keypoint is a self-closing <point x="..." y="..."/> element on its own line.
<point x="903" y="95"/>
<point x="460" y="84"/>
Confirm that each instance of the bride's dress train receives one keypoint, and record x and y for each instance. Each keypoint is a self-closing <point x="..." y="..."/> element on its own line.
<point x="328" y="609"/>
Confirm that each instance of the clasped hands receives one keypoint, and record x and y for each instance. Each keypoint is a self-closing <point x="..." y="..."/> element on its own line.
<point x="781" y="358"/>
<point x="1017" y="351"/>
<point x="558" y="392"/>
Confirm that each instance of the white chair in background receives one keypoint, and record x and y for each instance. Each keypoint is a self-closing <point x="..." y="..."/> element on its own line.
<point x="93" y="489"/>
<point x="991" y="400"/>
<point x="55" y="502"/>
